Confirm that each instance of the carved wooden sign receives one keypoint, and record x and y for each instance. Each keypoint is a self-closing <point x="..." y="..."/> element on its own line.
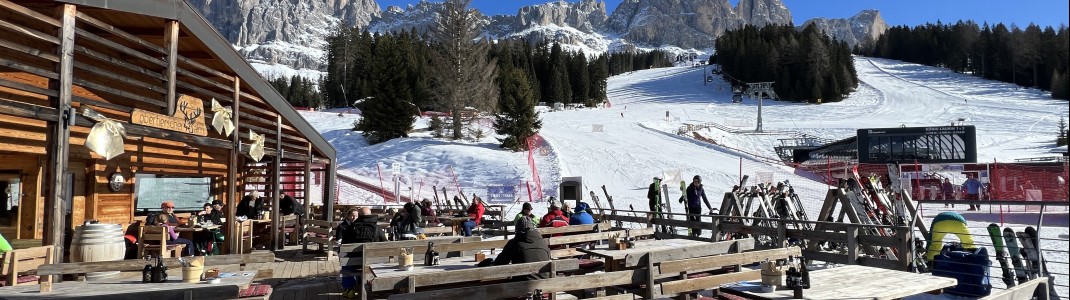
<point x="188" y="117"/>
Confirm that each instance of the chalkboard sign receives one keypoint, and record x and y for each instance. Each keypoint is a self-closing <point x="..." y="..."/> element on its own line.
<point x="188" y="193"/>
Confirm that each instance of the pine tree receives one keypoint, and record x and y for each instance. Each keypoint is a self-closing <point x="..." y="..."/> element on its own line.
<point x="1060" y="86"/>
<point x="1060" y="139"/>
<point x="578" y="78"/>
<point x="389" y="112"/>
<point x="517" y="120"/>
<point x="465" y="75"/>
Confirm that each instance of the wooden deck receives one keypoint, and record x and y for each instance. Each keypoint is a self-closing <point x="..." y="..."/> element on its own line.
<point x="297" y="275"/>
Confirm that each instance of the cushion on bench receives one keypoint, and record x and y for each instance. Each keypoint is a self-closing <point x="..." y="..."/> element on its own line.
<point x="591" y="263"/>
<point x="255" y="290"/>
<point x="21" y="280"/>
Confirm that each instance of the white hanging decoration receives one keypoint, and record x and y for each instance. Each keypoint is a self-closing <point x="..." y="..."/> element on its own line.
<point x="221" y="118"/>
<point x="256" y="149"/>
<point x="106" y="137"/>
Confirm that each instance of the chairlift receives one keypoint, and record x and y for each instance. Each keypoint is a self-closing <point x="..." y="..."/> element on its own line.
<point x="709" y="78"/>
<point x="737" y="95"/>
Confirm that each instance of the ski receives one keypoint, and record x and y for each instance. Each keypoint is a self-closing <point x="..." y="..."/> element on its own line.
<point x="666" y="215"/>
<point x="1029" y="252"/>
<point x="1001" y="253"/>
<point x="1016" y="257"/>
<point x="594" y="198"/>
<point x="683" y="200"/>
<point x="609" y="199"/>
<point x="434" y="191"/>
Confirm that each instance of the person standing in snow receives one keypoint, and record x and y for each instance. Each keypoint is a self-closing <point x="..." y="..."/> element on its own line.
<point x="973" y="191"/>
<point x="653" y="196"/>
<point x="694" y="193"/>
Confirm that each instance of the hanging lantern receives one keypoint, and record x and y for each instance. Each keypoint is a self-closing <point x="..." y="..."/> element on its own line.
<point x="221" y="118"/>
<point x="256" y="149"/>
<point x="106" y="137"/>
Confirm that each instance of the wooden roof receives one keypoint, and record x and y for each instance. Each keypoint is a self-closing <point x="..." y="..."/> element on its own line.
<point x="200" y="44"/>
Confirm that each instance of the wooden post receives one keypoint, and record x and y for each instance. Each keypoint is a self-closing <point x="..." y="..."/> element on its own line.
<point x="308" y="196"/>
<point x="716" y="229"/>
<point x="170" y="38"/>
<point x="234" y="241"/>
<point x="329" y="194"/>
<point x="782" y="233"/>
<point x="905" y="255"/>
<point x="649" y="276"/>
<point x="276" y="187"/>
<point x="852" y="244"/>
<point x="60" y="132"/>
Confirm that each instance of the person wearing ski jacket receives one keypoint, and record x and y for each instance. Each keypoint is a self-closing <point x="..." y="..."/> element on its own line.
<point x="475" y="215"/>
<point x="581" y="216"/>
<point x="526" y="247"/>
<point x="694" y="193"/>
<point x="359" y="226"/>
<point x="973" y="191"/>
<point x="653" y="195"/>
<point x="554" y="218"/>
<point x="525" y="215"/>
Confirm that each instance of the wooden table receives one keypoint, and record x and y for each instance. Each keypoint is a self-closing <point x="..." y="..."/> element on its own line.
<point x="851" y="282"/>
<point x="615" y="257"/>
<point x="128" y="285"/>
<point x="197" y="228"/>
<point x="384" y="271"/>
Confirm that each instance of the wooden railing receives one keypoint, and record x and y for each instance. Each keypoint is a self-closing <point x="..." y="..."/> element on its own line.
<point x="777" y="233"/>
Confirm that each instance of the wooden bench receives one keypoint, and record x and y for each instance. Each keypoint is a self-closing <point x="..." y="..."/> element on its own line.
<point x="321" y="233"/>
<point x="674" y="277"/>
<point x="360" y="255"/>
<point x="409" y="284"/>
<point x="522" y="288"/>
<point x="20" y="261"/>
<point x="438" y="231"/>
<point x="134" y="265"/>
<point x="638" y="233"/>
<point x="1036" y="287"/>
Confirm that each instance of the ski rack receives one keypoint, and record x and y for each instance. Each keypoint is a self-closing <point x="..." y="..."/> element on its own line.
<point x="765" y="201"/>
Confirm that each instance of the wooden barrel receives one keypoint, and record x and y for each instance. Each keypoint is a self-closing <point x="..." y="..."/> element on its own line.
<point x="98" y="242"/>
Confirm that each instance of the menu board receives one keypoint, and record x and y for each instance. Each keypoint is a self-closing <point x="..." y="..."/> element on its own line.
<point x="188" y="193"/>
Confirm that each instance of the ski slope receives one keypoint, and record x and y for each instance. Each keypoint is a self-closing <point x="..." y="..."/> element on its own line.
<point x="626" y="144"/>
<point x="636" y="140"/>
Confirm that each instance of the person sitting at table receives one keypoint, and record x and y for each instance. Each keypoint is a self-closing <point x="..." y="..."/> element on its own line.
<point x="249" y="206"/>
<point x="581" y="216"/>
<point x="407" y="226"/>
<point x="204" y="239"/>
<point x="173" y="239"/>
<point x="290" y="206"/>
<point x="359" y="226"/>
<point x="166" y="216"/>
<point x="526" y="247"/>
<point x="218" y="214"/>
<point x="428" y="212"/>
<point x="525" y="213"/>
<point x="475" y="216"/>
<point x="554" y="218"/>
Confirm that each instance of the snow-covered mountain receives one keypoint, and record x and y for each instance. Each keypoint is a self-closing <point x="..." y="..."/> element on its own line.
<point x="284" y="37"/>
<point x="864" y="26"/>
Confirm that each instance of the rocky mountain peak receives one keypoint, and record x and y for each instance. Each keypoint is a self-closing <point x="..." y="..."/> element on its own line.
<point x="864" y="26"/>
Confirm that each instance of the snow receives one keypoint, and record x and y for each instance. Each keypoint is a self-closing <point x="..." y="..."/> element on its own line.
<point x="638" y="142"/>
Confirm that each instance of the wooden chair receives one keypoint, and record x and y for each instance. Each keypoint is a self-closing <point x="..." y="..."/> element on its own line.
<point x="154" y="238"/>
<point x="321" y="233"/>
<point x="291" y="229"/>
<point x="21" y="261"/>
<point x="245" y="229"/>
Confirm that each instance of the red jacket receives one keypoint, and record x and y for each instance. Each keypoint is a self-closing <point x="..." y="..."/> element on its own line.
<point x="475" y="212"/>
<point x="548" y="219"/>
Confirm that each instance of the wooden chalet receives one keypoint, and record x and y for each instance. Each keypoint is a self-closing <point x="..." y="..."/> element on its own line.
<point x="154" y="67"/>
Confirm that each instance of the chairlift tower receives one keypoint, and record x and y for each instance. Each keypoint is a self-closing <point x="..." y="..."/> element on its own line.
<point x="757" y="90"/>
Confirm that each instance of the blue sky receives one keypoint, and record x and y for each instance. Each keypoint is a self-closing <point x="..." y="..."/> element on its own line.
<point x="896" y="12"/>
